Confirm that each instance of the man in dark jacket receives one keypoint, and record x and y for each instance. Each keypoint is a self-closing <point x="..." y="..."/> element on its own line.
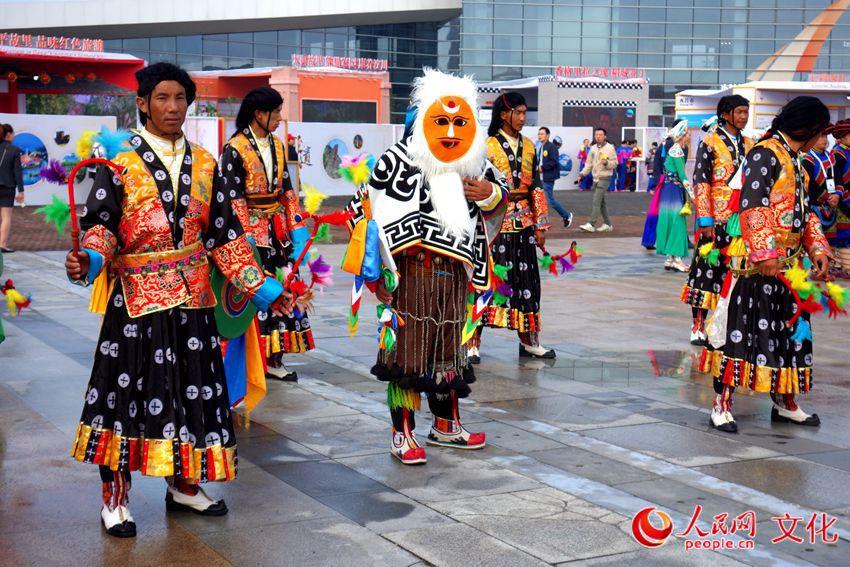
<point x="550" y="171"/>
<point x="11" y="178"/>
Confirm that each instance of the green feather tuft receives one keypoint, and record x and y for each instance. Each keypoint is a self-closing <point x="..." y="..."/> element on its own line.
<point x="713" y="257"/>
<point x="545" y="262"/>
<point x="501" y="271"/>
<point x="57" y="212"/>
<point x="323" y="234"/>
<point x="499" y="299"/>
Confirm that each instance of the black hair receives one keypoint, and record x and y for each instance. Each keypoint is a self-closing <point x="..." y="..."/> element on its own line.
<point x="598" y="128"/>
<point x="152" y="75"/>
<point x="545" y="129"/>
<point x="655" y="144"/>
<point x="729" y="103"/>
<point x="265" y="99"/>
<point x="7" y="129"/>
<point x="504" y="102"/>
<point x="801" y="119"/>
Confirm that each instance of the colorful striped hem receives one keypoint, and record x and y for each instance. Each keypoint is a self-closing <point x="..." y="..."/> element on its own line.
<point x="504" y="318"/>
<point x="698" y="298"/>
<point x="290" y="342"/>
<point x="154" y="457"/>
<point x="741" y="373"/>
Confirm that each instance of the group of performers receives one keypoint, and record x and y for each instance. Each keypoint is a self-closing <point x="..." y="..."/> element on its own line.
<point x="450" y="205"/>
<point x="759" y="213"/>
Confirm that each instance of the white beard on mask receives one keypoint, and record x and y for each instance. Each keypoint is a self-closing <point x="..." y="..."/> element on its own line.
<point x="445" y="179"/>
<point x="450" y="205"/>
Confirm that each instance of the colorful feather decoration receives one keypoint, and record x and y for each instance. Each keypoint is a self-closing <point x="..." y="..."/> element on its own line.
<point x="323" y="234"/>
<point x="312" y="198"/>
<point x="501" y="272"/>
<point x="113" y="143"/>
<point x="357" y="169"/>
<point x="57" y="212"/>
<point x="85" y="145"/>
<point x="55" y="172"/>
<point x="321" y="273"/>
<point x="15" y="300"/>
<point x="562" y="263"/>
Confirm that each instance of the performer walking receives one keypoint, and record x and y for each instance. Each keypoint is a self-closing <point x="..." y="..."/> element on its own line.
<point x="718" y="158"/>
<point x="676" y="191"/>
<point x="253" y="164"/>
<point x="823" y="194"/>
<point x="157" y="399"/>
<point x="841" y="157"/>
<point x="523" y="228"/>
<point x="431" y="195"/>
<point x="760" y="349"/>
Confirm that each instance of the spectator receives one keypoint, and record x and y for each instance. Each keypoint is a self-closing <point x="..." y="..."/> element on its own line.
<point x="650" y="165"/>
<point x="623" y="153"/>
<point x="11" y="177"/>
<point x="587" y="181"/>
<point x="550" y="171"/>
<point x="601" y="161"/>
<point x="291" y="150"/>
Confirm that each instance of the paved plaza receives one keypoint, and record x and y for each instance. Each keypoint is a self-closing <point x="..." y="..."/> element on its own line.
<point x="617" y="423"/>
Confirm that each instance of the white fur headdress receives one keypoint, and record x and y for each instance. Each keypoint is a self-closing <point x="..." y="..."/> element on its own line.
<point x="427" y="89"/>
<point x="434" y="84"/>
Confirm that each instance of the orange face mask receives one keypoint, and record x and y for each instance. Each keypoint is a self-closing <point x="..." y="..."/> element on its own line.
<point x="450" y="128"/>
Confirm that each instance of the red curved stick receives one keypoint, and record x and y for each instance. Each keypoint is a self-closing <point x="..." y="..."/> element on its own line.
<point x="75" y="228"/>
<point x="318" y="220"/>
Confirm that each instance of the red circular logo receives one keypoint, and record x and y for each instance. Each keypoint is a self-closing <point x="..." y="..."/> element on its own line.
<point x="648" y="535"/>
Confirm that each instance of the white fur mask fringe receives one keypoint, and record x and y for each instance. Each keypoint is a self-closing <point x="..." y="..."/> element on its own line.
<point x="444" y="177"/>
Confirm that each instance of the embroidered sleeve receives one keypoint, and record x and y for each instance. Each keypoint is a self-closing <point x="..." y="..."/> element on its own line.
<point x="842" y="177"/>
<point x="287" y="180"/>
<point x="757" y="219"/>
<point x="228" y="246"/>
<point x="232" y="171"/>
<point x="498" y="201"/>
<point x="102" y="215"/>
<point x="236" y="261"/>
<point x="817" y="192"/>
<point x="814" y="240"/>
<point x="702" y="184"/>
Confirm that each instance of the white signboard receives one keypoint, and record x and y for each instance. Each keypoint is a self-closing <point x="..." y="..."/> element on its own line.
<point x="43" y="138"/>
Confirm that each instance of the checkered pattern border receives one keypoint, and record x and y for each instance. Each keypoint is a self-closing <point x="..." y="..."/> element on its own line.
<point x="489" y="89"/>
<point x="600" y="103"/>
<point x="600" y="85"/>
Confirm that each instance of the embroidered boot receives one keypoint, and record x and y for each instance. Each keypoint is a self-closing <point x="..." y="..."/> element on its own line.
<point x="184" y="496"/>
<point x="404" y="446"/>
<point x="115" y="515"/>
<point x="786" y="410"/>
<point x="446" y="429"/>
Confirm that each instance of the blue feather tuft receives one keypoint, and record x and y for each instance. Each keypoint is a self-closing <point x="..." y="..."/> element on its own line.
<point x="113" y="142"/>
<point x="803" y="331"/>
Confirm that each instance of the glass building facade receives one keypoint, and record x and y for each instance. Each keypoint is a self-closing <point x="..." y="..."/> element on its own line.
<point x="681" y="43"/>
<point x="407" y="47"/>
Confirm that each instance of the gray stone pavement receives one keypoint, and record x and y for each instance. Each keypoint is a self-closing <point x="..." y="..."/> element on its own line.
<point x="576" y="447"/>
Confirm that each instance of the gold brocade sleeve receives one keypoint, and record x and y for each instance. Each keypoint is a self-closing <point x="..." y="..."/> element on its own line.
<point x="814" y="239"/>
<point x="236" y="261"/>
<point x="540" y="208"/>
